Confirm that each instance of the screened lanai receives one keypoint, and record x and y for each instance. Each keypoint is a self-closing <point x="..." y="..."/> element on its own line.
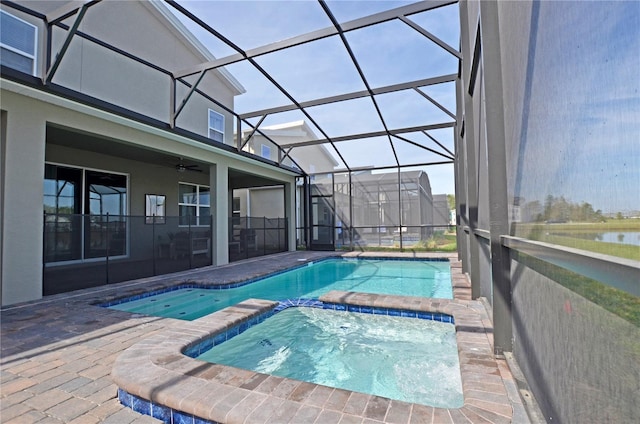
<point x="334" y="74"/>
<point x="379" y="80"/>
<point x="521" y="116"/>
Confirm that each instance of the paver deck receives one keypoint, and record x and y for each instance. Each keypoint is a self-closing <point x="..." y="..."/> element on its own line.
<point x="58" y="356"/>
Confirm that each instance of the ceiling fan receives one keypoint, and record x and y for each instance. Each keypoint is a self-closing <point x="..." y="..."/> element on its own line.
<point x="181" y="167"/>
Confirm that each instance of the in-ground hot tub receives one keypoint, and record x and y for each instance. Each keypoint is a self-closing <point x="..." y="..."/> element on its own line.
<point x="407" y="359"/>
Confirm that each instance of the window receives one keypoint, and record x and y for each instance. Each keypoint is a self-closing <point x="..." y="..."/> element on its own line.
<point x="17" y="43"/>
<point x="154" y="208"/>
<point x="236" y="211"/>
<point x="265" y="151"/>
<point x="194" y="204"/>
<point x="216" y="126"/>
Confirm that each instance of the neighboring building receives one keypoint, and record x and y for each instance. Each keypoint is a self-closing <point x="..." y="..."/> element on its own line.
<point x="377" y="201"/>
<point x="264" y="201"/>
<point x="387" y="206"/>
<point x="312" y="158"/>
<point x="94" y="134"/>
<point x="441" y="211"/>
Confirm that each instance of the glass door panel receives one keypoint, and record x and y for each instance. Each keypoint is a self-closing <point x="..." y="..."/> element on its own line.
<point x="322" y="213"/>
<point x="106" y="203"/>
<point x="62" y="204"/>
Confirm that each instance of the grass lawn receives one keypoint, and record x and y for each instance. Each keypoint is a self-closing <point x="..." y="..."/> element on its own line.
<point x="621" y="303"/>
<point x="560" y="234"/>
<point x="439" y="242"/>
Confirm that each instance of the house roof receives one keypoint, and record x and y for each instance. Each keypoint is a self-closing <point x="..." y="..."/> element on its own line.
<point x="160" y="10"/>
<point x="288" y="130"/>
<point x="288" y="133"/>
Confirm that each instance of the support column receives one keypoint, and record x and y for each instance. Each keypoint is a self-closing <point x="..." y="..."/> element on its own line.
<point x="496" y="158"/>
<point x="3" y="144"/>
<point x="462" y="239"/>
<point x="468" y="32"/>
<point x="219" y="182"/>
<point x="290" y="213"/>
<point x="22" y="172"/>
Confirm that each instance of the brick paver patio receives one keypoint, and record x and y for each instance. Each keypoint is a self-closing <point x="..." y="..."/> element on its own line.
<point x="58" y="353"/>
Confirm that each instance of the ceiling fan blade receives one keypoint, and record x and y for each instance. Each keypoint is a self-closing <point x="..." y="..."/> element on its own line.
<point x="182" y="168"/>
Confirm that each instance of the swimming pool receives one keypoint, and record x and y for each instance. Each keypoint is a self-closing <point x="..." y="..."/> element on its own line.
<point x="408" y="359"/>
<point x="423" y="278"/>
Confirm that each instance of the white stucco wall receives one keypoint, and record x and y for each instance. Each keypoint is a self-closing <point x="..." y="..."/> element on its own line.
<point x="139" y="29"/>
<point x="22" y="213"/>
<point x="28" y="111"/>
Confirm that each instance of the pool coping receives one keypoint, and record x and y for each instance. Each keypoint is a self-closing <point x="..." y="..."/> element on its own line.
<point x="156" y="378"/>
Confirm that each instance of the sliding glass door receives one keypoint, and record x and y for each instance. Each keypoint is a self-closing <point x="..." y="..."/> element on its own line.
<point x="85" y="213"/>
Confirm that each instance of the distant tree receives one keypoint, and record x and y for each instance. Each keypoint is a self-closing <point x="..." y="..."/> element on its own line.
<point x="548" y="206"/>
<point x="451" y="201"/>
<point x="532" y="211"/>
<point x="619" y="215"/>
<point x="559" y="209"/>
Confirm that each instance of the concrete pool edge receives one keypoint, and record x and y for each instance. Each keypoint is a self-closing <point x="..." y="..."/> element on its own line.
<point x="155" y="370"/>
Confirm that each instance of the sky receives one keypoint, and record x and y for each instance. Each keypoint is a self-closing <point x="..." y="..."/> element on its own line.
<point x="582" y="128"/>
<point x="579" y="136"/>
<point x="389" y="53"/>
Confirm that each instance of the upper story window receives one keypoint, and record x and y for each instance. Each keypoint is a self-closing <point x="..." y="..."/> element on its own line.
<point x="17" y="43"/>
<point x="265" y="151"/>
<point x="194" y="204"/>
<point x="216" y="126"/>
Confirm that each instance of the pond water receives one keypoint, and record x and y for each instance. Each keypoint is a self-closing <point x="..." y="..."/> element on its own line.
<point x="619" y="237"/>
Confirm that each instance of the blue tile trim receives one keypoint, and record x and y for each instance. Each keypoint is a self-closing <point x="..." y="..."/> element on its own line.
<point x="206" y="344"/>
<point x="386" y="258"/>
<point x="140" y="405"/>
<point x="188" y="285"/>
<point x="178" y="417"/>
<point x="159" y="412"/>
<point x="434" y="316"/>
<point x="125" y="398"/>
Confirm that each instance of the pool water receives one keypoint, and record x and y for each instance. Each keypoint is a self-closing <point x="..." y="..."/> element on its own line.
<point x="407" y="278"/>
<point x="408" y="359"/>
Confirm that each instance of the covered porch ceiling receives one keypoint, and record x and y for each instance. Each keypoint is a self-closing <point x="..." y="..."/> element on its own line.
<point x="75" y="139"/>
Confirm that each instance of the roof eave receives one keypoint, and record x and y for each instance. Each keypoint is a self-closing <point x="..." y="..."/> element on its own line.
<point x="198" y="47"/>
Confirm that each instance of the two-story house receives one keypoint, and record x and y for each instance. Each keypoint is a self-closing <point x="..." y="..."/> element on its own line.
<point x="112" y="168"/>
